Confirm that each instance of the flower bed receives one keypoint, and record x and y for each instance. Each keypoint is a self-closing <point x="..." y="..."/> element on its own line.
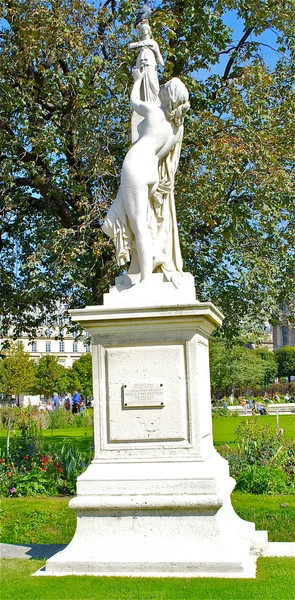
<point x="27" y="470"/>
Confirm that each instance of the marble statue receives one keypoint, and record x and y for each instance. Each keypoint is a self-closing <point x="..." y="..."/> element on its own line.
<point x="142" y="220"/>
<point x="148" y="57"/>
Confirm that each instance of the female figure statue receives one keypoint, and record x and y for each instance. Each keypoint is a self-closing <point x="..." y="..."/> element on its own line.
<point x="148" y="57"/>
<point x="129" y="220"/>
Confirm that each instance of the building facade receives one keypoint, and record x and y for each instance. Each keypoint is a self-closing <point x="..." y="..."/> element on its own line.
<point x="67" y="350"/>
<point x="284" y="333"/>
<point x="283" y="336"/>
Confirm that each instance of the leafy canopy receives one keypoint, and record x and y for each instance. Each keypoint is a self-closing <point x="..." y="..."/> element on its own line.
<point x="51" y="376"/>
<point x="234" y="366"/>
<point x="65" y="76"/>
<point x="81" y="375"/>
<point x="17" y="372"/>
<point x="285" y="357"/>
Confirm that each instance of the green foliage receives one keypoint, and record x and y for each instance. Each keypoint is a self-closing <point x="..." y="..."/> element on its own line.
<point x="220" y="412"/>
<point x="21" y="417"/>
<point x="269" y="363"/>
<point x="263" y="461"/>
<point x="234" y="365"/>
<point x="59" y="419"/>
<point x="263" y="480"/>
<point x="50" y="376"/>
<point x="27" y="470"/>
<point x="17" y="372"/>
<point x="65" y="75"/>
<point x="81" y="375"/>
<point x="285" y="357"/>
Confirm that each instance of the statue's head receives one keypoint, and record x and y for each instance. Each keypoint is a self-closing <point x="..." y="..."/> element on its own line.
<point x="174" y="99"/>
<point x="143" y="28"/>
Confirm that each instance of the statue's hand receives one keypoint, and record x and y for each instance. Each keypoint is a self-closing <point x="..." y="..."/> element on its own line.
<point x="138" y="74"/>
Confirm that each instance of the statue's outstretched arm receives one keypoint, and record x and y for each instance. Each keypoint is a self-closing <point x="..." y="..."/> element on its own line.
<point x="137" y="104"/>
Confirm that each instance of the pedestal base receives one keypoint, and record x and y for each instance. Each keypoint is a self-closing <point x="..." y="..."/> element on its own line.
<point x="178" y="522"/>
<point x="156" y="499"/>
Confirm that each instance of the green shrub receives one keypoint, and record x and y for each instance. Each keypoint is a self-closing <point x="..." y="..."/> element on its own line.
<point x="20" y="418"/>
<point x="219" y="412"/>
<point x="263" y="480"/>
<point x="235" y="413"/>
<point x="263" y="461"/>
<point x="59" y="419"/>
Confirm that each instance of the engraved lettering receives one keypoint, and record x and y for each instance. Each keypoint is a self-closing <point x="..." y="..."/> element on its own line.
<point x="143" y="395"/>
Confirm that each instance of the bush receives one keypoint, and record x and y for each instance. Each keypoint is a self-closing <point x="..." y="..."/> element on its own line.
<point x="263" y="480"/>
<point x="59" y="419"/>
<point x="20" y="418"/>
<point x="219" y="412"/>
<point x="263" y="461"/>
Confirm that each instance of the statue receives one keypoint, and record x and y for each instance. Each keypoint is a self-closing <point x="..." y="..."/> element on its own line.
<point x="142" y="220"/>
<point x="148" y="57"/>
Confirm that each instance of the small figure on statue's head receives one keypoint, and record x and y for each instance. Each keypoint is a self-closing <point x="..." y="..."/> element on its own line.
<point x="148" y="57"/>
<point x="144" y="13"/>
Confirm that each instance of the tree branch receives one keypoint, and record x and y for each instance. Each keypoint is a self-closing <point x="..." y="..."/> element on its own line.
<point x="235" y="52"/>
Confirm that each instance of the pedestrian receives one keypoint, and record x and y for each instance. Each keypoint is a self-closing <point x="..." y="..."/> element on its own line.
<point x="67" y="403"/>
<point x="75" y="402"/>
<point x="55" y="401"/>
<point x="82" y="404"/>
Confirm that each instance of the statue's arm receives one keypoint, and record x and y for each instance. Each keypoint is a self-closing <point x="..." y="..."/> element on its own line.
<point x="137" y="104"/>
<point x="158" y="54"/>
<point x="135" y="45"/>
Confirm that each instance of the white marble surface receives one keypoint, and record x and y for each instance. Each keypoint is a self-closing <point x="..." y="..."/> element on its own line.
<point x="156" y="499"/>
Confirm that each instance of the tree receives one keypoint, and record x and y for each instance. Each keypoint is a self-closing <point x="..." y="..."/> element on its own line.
<point x="81" y="375"/>
<point x="234" y="366"/>
<point x="51" y="377"/>
<point x="17" y="372"/>
<point x="285" y="357"/>
<point x="65" y="74"/>
<point x="269" y="363"/>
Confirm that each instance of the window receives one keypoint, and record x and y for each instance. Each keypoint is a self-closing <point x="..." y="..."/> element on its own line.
<point x="48" y="347"/>
<point x="61" y="346"/>
<point x="59" y="321"/>
<point x="47" y="332"/>
<point x="285" y="335"/>
<point x="34" y="346"/>
<point x="75" y="347"/>
<point x="87" y="347"/>
<point x="61" y="361"/>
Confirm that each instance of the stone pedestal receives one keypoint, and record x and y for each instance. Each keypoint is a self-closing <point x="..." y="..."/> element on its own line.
<point x="155" y="500"/>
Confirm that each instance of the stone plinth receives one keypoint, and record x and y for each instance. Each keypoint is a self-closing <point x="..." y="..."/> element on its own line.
<point x="155" y="500"/>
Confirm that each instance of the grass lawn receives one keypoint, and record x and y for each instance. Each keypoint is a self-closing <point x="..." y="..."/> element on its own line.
<point x="224" y="427"/>
<point x="223" y="431"/>
<point x="82" y="437"/>
<point x="50" y="520"/>
<point x="275" y="581"/>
